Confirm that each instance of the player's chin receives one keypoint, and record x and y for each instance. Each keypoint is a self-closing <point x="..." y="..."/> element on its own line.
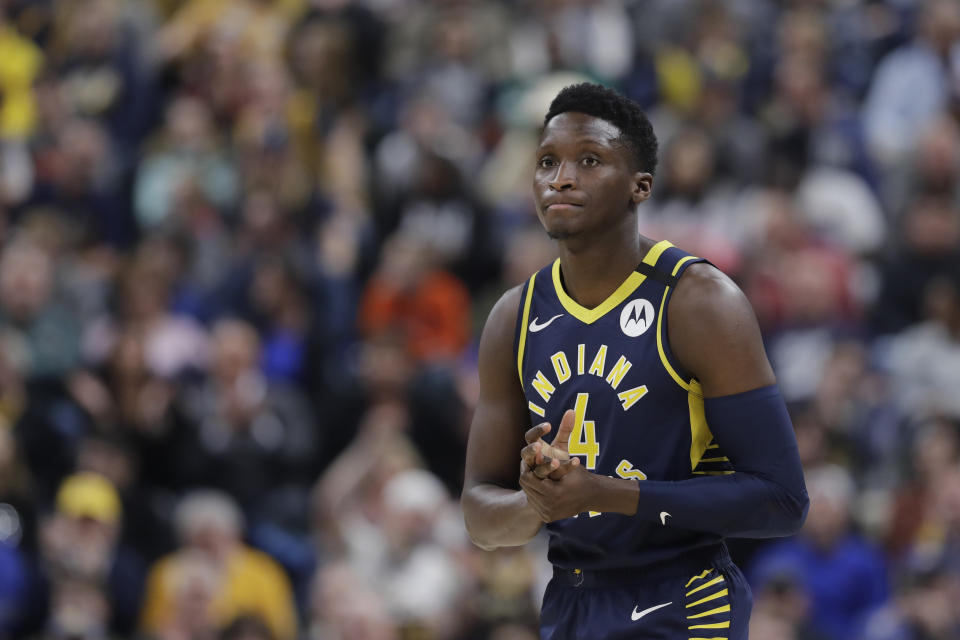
<point x="559" y="229"/>
<point x="559" y="234"/>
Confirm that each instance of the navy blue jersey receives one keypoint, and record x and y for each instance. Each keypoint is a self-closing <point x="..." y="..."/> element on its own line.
<point x="638" y="415"/>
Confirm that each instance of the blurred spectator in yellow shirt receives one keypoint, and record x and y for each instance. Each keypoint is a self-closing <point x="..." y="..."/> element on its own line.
<point x="260" y="26"/>
<point x="213" y="568"/>
<point x="20" y="62"/>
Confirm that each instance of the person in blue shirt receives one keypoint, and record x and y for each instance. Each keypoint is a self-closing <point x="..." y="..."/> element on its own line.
<point x="844" y="575"/>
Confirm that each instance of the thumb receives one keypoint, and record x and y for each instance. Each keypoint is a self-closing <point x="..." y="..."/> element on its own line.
<point x="562" y="440"/>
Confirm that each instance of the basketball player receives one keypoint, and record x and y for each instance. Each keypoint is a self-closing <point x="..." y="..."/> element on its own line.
<point x="648" y="365"/>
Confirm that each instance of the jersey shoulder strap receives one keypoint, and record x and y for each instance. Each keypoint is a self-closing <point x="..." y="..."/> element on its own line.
<point x="668" y="269"/>
<point x="523" y="318"/>
<point x="668" y="265"/>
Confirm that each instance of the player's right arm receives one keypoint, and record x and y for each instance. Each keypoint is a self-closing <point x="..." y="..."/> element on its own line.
<point x="495" y="510"/>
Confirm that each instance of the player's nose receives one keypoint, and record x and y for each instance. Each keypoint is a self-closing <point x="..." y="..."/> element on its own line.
<point x="565" y="177"/>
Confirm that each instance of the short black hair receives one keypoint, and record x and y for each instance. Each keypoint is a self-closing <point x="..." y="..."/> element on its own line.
<point x="600" y="102"/>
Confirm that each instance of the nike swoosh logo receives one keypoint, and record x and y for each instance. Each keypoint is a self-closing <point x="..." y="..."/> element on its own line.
<point x="636" y="615"/>
<point x="663" y="517"/>
<point x="534" y="327"/>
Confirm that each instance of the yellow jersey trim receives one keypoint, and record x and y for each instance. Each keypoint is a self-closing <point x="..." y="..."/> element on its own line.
<point x="523" y="327"/>
<point x="663" y="354"/>
<point x="656" y="251"/>
<point x="711" y="625"/>
<point x="712" y="596"/>
<point x="709" y="583"/>
<point x="722" y="609"/>
<point x="700" y="435"/>
<point x="698" y="577"/>
<point x="634" y="280"/>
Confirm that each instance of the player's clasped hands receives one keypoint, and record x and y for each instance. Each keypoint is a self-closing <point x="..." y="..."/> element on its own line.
<point x="556" y="485"/>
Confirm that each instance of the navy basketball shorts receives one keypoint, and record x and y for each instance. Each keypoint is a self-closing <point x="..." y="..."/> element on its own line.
<point x="712" y="603"/>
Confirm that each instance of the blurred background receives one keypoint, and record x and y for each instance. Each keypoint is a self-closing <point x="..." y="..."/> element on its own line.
<point x="248" y="247"/>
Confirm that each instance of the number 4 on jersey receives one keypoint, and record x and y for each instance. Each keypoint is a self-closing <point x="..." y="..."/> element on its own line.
<point x="583" y="438"/>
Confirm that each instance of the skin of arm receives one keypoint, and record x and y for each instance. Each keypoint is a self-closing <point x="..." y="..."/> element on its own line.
<point x="496" y="512"/>
<point x="713" y="332"/>
<point x="714" y="335"/>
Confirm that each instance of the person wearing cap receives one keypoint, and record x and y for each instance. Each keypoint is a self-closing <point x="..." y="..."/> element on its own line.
<point x="80" y="542"/>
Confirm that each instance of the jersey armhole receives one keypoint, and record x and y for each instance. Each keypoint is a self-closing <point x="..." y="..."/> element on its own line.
<point x="682" y="377"/>
<point x="523" y="317"/>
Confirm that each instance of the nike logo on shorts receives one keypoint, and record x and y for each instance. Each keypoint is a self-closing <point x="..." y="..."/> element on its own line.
<point x="636" y="615"/>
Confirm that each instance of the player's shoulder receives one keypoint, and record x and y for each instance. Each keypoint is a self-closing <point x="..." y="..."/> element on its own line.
<point x="497" y="338"/>
<point x="507" y="306"/>
<point x="705" y="293"/>
<point x="714" y="333"/>
<point x="502" y="319"/>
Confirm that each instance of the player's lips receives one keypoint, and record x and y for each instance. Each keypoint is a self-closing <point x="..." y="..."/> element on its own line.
<point x="559" y="205"/>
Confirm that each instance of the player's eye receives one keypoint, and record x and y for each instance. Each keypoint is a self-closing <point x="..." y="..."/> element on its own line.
<point x="590" y="161"/>
<point x="545" y="162"/>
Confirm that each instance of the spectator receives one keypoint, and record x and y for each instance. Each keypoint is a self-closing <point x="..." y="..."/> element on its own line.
<point x="103" y="71"/>
<point x="926" y="250"/>
<point x="27" y="302"/>
<point x="186" y="158"/>
<point x="924" y="607"/>
<point x="693" y="206"/>
<point x="399" y="543"/>
<point x="15" y="588"/>
<point x="246" y="628"/>
<point x="919" y="357"/>
<point x="936" y="450"/>
<point x="345" y="606"/>
<point x="213" y="576"/>
<point x="22" y="61"/>
<point x="80" y="609"/>
<point x="77" y="173"/>
<point x="913" y="84"/>
<point x="781" y="611"/>
<point x="246" y="435"/>
<point x="843" y="575"/>
<point x="426" y="304"/>
<point x="84" y="560"/>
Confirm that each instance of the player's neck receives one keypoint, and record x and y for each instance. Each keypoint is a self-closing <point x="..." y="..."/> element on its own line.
<point x="593" y="269"/>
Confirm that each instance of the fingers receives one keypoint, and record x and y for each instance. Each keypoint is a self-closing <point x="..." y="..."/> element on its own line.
<point x="550" y="500"/>
<point x="534" y="434"/>
<point x="535" y="457"/>
<point x="555" y="469"/>
<point x="564" y="469"/>
<point x="548" y="466"/>
<point x="532" y="454"/>
<point x="562" y="439"/>
<point x="550" y="451"/>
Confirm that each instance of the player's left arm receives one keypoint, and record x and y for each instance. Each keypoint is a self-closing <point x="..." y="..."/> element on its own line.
<point x="714" y="335"/>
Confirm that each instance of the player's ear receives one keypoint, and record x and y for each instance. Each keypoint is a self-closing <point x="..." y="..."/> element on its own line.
<point x="642" y="187"/>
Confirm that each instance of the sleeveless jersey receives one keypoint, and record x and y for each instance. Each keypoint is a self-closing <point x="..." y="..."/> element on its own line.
<point x="638" y="415"/>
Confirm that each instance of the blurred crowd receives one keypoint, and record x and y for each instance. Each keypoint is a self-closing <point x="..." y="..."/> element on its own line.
<point x="248" y="247"/>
